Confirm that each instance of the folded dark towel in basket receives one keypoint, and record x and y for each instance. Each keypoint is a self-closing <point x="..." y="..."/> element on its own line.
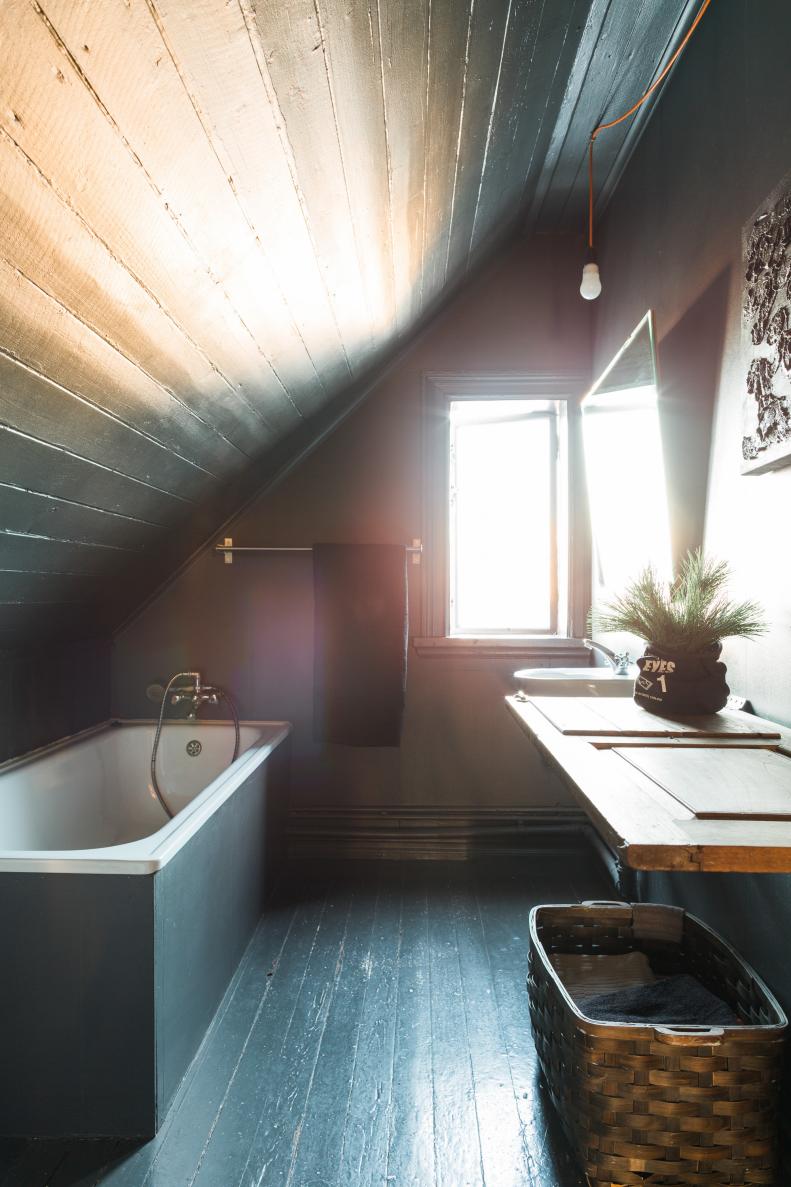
<point x="680" y="1000"/>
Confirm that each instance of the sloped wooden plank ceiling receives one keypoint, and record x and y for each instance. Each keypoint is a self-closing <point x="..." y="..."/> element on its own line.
<point x="219" y="218"/>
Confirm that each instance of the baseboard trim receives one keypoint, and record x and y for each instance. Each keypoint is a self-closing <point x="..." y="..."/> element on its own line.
<point x="432" y="833"/>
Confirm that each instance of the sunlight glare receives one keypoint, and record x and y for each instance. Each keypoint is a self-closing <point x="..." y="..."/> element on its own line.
<point x="500" y="516"/>
<point x="626" y="486"/>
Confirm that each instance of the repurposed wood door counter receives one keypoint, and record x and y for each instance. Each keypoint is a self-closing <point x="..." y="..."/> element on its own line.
<point x="696" y="794"/>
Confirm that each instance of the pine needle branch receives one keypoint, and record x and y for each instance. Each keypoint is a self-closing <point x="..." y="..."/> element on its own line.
<point x="690" y="615"/>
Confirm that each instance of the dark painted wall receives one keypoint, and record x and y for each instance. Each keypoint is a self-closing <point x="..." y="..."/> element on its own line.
<point x="250" y="625"/>
<point x="49" y="693"/>
<point x="718" y="144"/>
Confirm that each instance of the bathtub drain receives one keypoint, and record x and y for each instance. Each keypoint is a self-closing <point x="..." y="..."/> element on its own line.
<point x="194" y="748"/>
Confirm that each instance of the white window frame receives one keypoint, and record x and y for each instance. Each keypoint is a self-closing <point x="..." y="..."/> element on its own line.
<point x="572" y="595"/>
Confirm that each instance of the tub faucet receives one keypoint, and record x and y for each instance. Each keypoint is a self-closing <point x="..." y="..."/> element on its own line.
<point x="197" y="694"/>
<point x="619" y="661"/>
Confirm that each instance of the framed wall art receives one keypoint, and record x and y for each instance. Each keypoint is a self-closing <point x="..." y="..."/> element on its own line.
<point x="766" y="327"/>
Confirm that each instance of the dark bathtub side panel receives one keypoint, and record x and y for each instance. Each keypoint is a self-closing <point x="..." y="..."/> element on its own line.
<point x="208" y="900"/>
<point x="76" y="1008"/>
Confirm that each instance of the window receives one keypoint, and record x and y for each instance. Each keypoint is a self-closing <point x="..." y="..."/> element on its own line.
<point x="497" y="507"/>
<point x="501" y="504"/>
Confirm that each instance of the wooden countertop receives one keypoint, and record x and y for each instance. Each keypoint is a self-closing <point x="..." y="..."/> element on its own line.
<point x="696" y="794"/>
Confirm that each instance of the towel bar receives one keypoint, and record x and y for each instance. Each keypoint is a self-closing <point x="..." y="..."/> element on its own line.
<point x="228" y="548"/>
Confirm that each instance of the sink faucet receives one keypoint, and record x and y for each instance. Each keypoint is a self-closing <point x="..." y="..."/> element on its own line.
<point x="197" y="695"/>
<point x="619" y="661"/>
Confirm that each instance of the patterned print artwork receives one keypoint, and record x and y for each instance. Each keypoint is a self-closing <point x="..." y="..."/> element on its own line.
<point x="766" y="312"/>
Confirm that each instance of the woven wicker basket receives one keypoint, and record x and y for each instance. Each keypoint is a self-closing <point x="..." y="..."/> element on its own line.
<point x="664" y="1104"/>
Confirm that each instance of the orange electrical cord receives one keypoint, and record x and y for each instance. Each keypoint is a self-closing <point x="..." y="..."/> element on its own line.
<point x="632" y="110"/>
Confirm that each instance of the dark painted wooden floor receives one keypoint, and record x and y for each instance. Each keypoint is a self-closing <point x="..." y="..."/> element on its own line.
<point x="376" y="1034"/>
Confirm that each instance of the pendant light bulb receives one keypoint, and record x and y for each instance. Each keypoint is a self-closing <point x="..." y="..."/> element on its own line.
<point x="591" y="280"/>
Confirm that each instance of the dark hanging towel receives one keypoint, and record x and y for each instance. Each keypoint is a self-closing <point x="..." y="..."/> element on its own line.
<point x="360" y="643"/>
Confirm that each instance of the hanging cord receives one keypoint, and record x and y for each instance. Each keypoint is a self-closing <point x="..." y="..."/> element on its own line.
<point x="226" y="696"/>
<point x="633" y="109"/>
<point x="155" y="747"/>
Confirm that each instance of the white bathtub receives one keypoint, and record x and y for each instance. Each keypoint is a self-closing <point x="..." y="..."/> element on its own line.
<point x="88" y="806"/>
<point x="120" y="928"/>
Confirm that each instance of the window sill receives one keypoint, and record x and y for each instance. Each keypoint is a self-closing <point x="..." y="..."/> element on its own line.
<point x="545" y="650"/>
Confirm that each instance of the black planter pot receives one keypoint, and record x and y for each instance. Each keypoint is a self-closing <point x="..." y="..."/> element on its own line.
<point x="681" y="683"/>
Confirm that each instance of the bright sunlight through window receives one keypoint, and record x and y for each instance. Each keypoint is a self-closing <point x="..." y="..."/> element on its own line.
<point x="502" y="517"/>
<point x="626" y="486"/>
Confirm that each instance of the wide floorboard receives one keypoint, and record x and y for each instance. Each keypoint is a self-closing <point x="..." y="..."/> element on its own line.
<point x="376" y="1034"/>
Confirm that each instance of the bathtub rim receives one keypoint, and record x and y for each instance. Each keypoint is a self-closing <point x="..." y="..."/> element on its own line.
<point x="153" y="852"/>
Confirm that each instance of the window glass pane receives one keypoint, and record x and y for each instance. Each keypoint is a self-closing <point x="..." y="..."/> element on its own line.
<point x="501" y="516"/>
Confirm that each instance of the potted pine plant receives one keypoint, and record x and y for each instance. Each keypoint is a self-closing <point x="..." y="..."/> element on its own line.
<point x="683" y="624"/>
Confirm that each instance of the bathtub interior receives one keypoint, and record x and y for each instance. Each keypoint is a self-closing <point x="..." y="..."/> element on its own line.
<point x="97" y="792"/>
<point x="184" y="768"/>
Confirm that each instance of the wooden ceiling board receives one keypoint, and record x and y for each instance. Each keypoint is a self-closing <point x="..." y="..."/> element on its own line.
<point x="403" y="40"/>
<point x="220" y="219"/>
<point x="63" y="588"/>
<point x="516" y="57"/>
<point x="225" y="69"/>
<point x="58" y="471"/>
<point x="351" y="34"/>
<point x="486" y="34"/>
<point x="50" y="411"/>
<point x="289" y="39"/>
<point x="42" y="515"/>
<point x="183" y="162"/>
<point x="450" y="29"/>
<point x="52" y="113"/>
<point x="540" y="49"/>
<point x="55" y="251"/>
<point x="622" y="49"/>
<point x="39" y="329"/>
<point x="44" y="554"/>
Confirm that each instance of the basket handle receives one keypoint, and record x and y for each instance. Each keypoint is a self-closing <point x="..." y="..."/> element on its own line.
<point x="691" y="1036"/>
<point x="606" y="902"/>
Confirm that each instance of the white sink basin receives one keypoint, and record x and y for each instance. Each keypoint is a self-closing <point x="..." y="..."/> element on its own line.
<point x="574" y="682"/>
